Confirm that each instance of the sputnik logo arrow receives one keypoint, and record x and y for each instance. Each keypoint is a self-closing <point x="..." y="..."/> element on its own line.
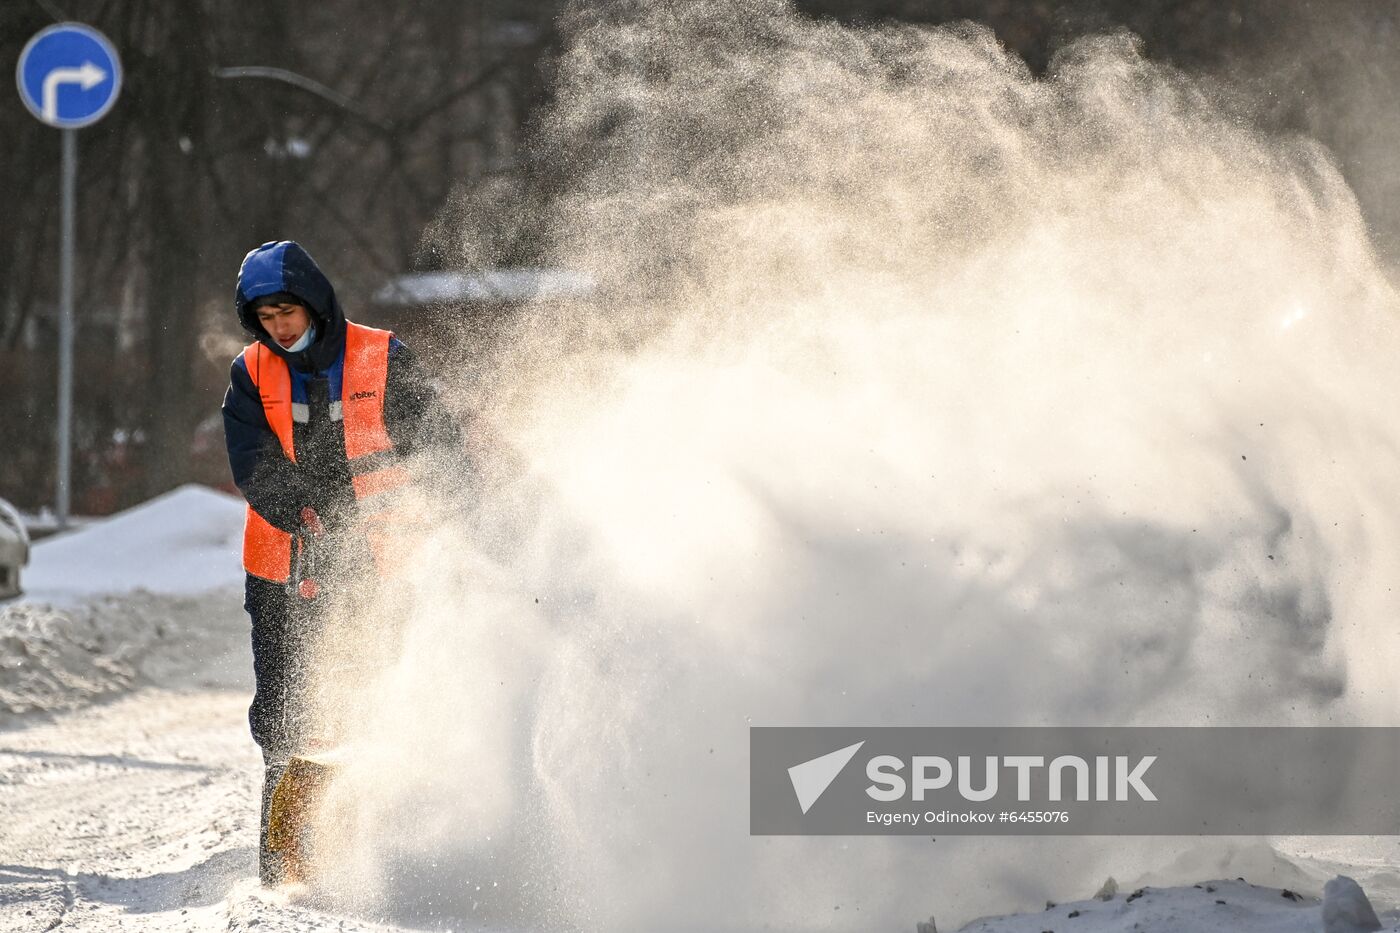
<point x="811" y="778"/>
<point x="87" y="75"/>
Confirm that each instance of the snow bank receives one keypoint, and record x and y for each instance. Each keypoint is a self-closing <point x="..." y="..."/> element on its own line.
<point x="60" y="658"/>
<point x="1207" y="907"/>
<point x="181" y="543"/>
<point x="150" y="594"/>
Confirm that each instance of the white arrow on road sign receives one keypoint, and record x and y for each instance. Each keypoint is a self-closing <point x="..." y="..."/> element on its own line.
<point x="69" y="75"/>
<point x="88" y="77"/>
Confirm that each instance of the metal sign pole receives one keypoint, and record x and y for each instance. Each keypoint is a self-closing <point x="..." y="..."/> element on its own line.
<point x="68" y="76"/>
<point x="65" y="328"/>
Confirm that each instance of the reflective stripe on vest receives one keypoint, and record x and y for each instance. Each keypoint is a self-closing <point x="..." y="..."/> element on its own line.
<point x="267" y="551"/>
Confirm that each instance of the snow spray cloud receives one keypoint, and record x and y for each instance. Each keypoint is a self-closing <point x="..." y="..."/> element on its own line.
<point x="918" y="391"/>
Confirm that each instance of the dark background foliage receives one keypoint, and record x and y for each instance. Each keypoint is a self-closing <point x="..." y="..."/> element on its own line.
<point x="389" y="123"/>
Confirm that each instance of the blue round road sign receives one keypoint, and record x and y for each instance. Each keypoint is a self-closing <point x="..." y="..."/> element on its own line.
<point x="69" y="75"/>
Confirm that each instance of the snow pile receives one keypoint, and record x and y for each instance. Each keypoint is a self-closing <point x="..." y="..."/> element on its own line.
<point x="53" y="659"/>
<point x="118" y="599"/>
<point x="185" y="542"/>
<point x="1207" y="907"/>
<point x="56" y="658"/>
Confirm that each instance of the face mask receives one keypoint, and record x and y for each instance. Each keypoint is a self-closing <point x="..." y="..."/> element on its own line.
<point x="304" y="341"/>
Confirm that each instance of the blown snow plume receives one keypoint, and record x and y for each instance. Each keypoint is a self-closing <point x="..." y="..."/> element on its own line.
<point x="919" y="390"/>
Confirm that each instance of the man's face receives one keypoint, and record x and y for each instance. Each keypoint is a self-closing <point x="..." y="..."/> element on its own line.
<point x="284" y="322"/>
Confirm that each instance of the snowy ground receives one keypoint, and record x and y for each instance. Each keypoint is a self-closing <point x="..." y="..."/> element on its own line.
<point x="128" y="780"/>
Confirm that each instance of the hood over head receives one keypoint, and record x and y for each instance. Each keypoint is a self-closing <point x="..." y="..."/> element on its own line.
<point x="282" y="266"/>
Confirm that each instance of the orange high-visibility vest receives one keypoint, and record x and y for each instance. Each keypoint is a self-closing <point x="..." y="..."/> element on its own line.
<point x="374" y="471"/>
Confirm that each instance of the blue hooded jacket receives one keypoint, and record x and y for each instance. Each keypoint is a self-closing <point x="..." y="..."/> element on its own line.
<point x="284" y="267"/>
<point x="275" y="487"/>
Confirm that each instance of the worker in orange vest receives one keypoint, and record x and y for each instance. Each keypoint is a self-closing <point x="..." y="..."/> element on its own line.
<point x="321" y="417"/>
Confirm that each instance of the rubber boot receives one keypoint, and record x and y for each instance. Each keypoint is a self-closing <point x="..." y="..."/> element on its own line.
<point x="269" y="863"/>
